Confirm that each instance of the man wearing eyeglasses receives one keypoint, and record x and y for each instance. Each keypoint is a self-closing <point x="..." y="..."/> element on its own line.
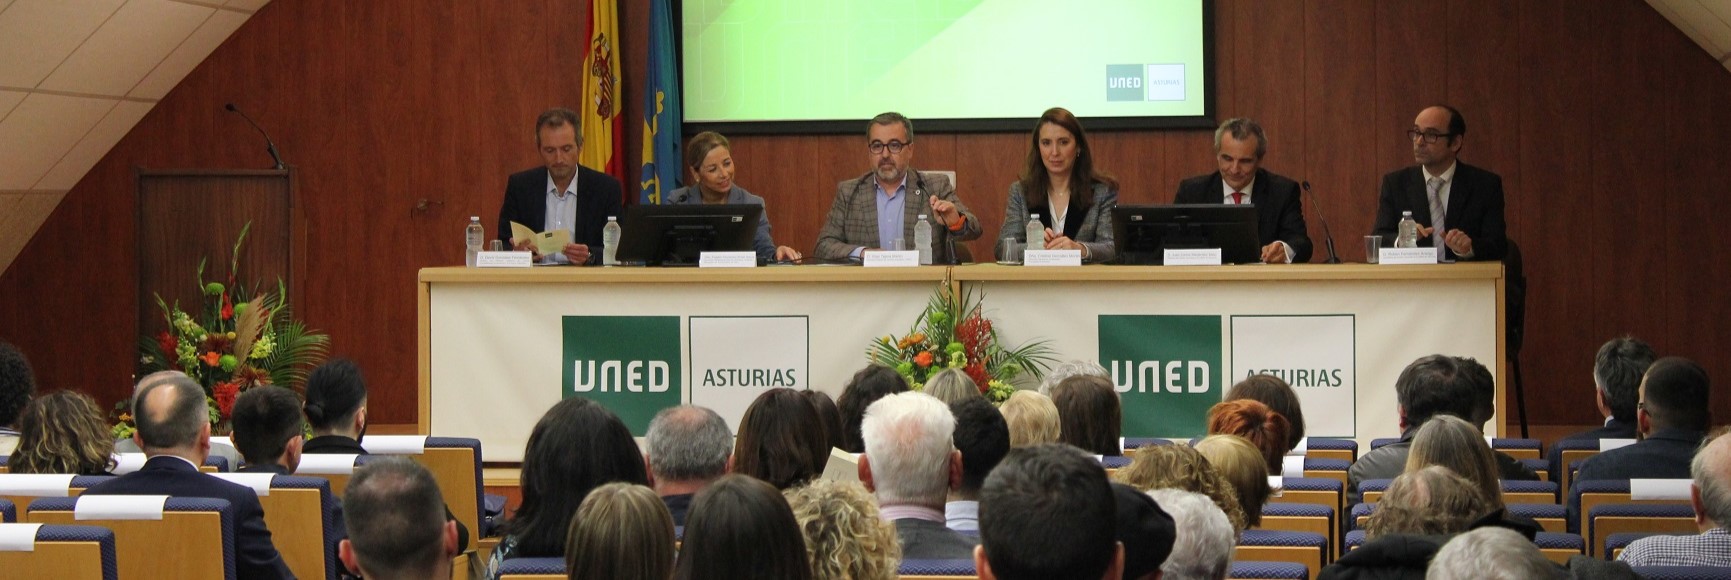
<point x="878" y="210"/>
<point x="1458" y="207"/>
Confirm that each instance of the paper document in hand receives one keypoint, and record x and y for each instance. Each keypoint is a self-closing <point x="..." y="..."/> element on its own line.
<point x="842" y="466"/>
<point x="546" y="243"/>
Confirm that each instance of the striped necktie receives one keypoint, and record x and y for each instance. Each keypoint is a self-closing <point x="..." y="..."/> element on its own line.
<point x="1438" y="211"/>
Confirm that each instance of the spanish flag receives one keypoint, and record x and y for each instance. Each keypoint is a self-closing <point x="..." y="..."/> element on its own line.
<point x="661" y="112"/>
<point x="603" y="121"/>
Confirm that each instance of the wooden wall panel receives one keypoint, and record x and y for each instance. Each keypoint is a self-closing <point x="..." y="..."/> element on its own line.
<point x="1604" y="121"/>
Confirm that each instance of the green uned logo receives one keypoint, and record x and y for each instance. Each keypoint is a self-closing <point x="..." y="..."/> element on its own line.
<point x="630" y="364"/>
<point x="1167" y="370"/>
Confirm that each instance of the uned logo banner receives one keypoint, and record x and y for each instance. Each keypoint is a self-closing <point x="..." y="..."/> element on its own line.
<point x="1167" y="370"/>
<point x="630" y="364"/>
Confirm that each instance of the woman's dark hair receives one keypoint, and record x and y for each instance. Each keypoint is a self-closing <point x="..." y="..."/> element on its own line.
<point x="742" y="528"/>
<point x="335" y="391"/>
<point x="867" y="386"/>
<point x="781" y="440"/>
<point x="828" y="414"/>
<point x="1089" y="415"/>
<point x="1036" y="182"/>
<point x="63" y="432"/>
<point x="577" y="446"/>
<point x="17" y="383"/>
<point x="1272" y="391"/>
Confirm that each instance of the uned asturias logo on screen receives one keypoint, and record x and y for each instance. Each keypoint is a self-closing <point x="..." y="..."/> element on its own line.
<point x="1145" y="82"/>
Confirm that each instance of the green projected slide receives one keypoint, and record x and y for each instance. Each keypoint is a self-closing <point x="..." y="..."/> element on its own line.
<point x="816" y="60"/>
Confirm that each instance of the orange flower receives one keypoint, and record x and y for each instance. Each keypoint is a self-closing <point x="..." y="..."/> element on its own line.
<point x="211" y="358"/>
<point x="923" y="359"/>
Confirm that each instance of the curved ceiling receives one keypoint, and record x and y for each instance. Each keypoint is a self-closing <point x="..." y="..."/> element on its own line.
<point x="1707" y="22"/>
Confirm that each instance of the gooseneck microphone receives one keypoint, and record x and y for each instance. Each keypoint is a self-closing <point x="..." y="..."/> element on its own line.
<point x="1327" y="236"/>
<point x="270" y="146"/>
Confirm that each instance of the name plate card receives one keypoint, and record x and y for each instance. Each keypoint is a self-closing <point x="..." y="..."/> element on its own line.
<point x="1199" y="257"/>
<point x="892" y="258"/>
<point x="727" y="260"/>
<point x="1407" y="256"/>
<point x="1052" y="258"/>
<point x="503" y="260"/>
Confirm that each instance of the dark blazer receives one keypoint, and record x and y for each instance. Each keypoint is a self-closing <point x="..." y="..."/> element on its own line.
<point x="678" y="506"/>
<point x="340" y="445"/>
<point x="1665" y="454"/>
<point x="853" y="217"/>
<point x="1475" y="207"/>
<point x="255" y="555"/>
<point x="265" y="468"/>
<point x="925" y="540"/>
<point x="598" y="196"/>
<point x="1279" y="210"/>
<point x="1613" y="429"/>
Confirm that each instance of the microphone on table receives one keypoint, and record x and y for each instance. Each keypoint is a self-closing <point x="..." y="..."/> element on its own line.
<point x="1327" y="236"/>
<point x="270" y="146"/>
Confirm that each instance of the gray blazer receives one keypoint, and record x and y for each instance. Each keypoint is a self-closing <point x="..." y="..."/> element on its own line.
<point x="764" y="246"/>
<point x="1093" y="228"/>
<point x="853" y="216"/>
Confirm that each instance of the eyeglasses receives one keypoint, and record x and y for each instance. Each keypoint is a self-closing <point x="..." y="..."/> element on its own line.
<point x="895" y="147"/>
<point x="1429" y="137"/>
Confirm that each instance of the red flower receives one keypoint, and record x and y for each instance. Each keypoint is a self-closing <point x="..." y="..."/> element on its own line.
<point x="977" y="372"/>
<point x="227" y="307"/>
<point x="211" y="358"/>
<point x="225" y="393"/>
<point x="169" y="346"/>
<point x="924" y="359"/>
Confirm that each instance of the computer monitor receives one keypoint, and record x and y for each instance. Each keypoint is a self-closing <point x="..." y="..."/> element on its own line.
<point x="1144" y="232"/>
<point x="675" y="235"/>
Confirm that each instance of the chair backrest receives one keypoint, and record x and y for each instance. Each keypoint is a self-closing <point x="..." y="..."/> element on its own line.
<point x="532" y="569"/>
<point x="1540" y="467"/>
<point x="8" y="511"/>
<point x="1683" y="572"/>
<point x="1552" y="517"/>
<point x="937" y="569"/>
<point x="1309" y="550"/>
<point x="1371" y="490"/>
<point x="1605" y="520"/>
<point x="1594" y="493"/>
<point x="1614" y="544"/>
<point x="456" y="464"/>
<point x="301" y="513"/>
<point x="1529" y="492"/>
<point x="1326" y="448"/>
<point x="1267" y="571"/>
<point x="1573" y="452"/>
<point x="180" y="545"/>
<point x="65" y="553"/>
<point x="1381" y="441"/>
<point x="1299" y="517"/>
<point x="17" y="489"/>
<point x="1327" y="468"/>
<point x="1559" y="547"/>
<point x="1316" y="491"/>
<point x="1517" y="448"/>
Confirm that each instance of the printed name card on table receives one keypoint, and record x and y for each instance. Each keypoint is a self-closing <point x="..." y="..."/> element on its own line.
<point x="727" y="260"/>
<point x="1659" y="489"/>
<point x="503" y="260"/>
<point x="1052" y="258"/>
<point x="892" y="259"/>
<point x="1198" y="257"/>
<point x="1406" y="256"/>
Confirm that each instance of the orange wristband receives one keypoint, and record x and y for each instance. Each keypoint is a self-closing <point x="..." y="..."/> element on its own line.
<point x="956" y="227"/>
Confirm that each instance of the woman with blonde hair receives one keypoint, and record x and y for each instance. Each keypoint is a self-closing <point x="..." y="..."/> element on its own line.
<point x="952" y="386"/>
<point x="1452" y="442"/>
<point x="709" y="180"/>
<point x="1242" y="465"/>
<point x="844" y="534"/>
<point x="622" y="531"/>
<point x="62" y="432"/>
<point x="1033" y="419"/>
<point x="1181" y="467"/>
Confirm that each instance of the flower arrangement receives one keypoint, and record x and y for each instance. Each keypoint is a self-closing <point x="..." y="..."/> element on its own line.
<point x="237" y="338"/>
<point x="953" y="332"/>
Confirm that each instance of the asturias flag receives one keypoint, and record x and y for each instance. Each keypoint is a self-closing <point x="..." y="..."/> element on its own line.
<point x="603" y="123"/>
<point x="661" y="111"/>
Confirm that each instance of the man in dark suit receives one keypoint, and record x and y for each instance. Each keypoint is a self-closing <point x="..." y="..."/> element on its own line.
<point x="174" y="432"/>
<point x="561" y="195"/>
<point x="1617" y="371"/>
<point x="1239" y="146"/>
<point x="268" y="430"/>
<point x="1048" y="511"/>
<point x="398" y="529"/>
<point x="1456" y="205"/>
<point x="1673" y="417"/>
<point x="856" y="224"/>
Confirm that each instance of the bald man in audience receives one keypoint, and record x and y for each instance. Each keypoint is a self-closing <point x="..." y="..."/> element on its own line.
<point x="1042" y="515"/>
<point x="1710" y="495"/>
<point x="397" y="526"/>
<point x="911" y="464"/>
<point x="687" y="448"/>
<point x="174" y="431"/>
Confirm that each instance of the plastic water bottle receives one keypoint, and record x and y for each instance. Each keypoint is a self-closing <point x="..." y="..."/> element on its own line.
<point x="1408" y="237"/>
<point x="610" y="241"/>
<point x="474" y="236"/>
<point x="1036" y="235"/>
<point x="923" y="240"/>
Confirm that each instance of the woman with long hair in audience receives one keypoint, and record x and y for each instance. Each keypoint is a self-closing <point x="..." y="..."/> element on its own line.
<point x="845" y="537"/>
<point x="866" y="387"/>
<point x="1089" y="412"/>
<point x="741" y="528"/>
<point x="1452" y="442"/>
<point x="828" y="414"/>
<point x="577" y="446"/>
<point x="622" y="532"/>
<point x="952" y="386"/>
<point x="781" y="440"/>
<point x="1244" y="467"/>
<point x="1182" y="467"/>
<point x="709" y="174"/>
<point x="1059" y="182"/>
<point x="62" y="432"/>
<point x="1272" y="391"/>
<point x="1032" y="419"/>
<point x="1256" y="423"/>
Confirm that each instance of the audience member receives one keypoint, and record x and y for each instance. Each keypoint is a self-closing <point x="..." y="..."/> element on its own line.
<point x="17" y="385"/>
<point x="1256" y="423"/>
<point x="1415" y="517"/>
<point x="845" y="538"/>
<point x="1032" y="419"/>
<point x="576" y="447"/>
<point x="396" y="525"/>
<point x="1182" y="467"/>
<point x="1617" y="371"/>
<point x="911" y="463"/>
<point x="781" y="440"/>
<point x="1491" y="554"/>
<point x="1673" y="416"/>
<point x="1711" y="497"/>
<point x="174" y="432"/>
<point x="1451" y="442"/>
<point x="1484" y="408"/>
<point x="689" y="448"/>
<point x="1071" y="368"/>
<point x="951" y="386"/>
<point x="867" y="386"/>
<point x="741" y="529"/>
<point x="1145" y="531"/>
<point x="1242" y="464"/>
<point x="622" y="531"/>
<point x="268" y="429"/>
<point x="1272" y="391"/>
<point x="983" y="438"/>
<point x="828" y="414"/>
<point x="1089" y="414"/>
<point x="1203" y="547"/>
<point x="62" y="432"/>
<point x="1040" y="518"/>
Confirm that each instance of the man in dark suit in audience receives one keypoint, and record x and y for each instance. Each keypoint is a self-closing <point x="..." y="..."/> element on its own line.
<point x="1672" y="415"/>
<point x="688" y="448"/>
<point x="562" y="195"/>
<point x="1047" y="511"/>
<point x="174" y="431"/>
<point x="268" y="430"/>
<point x="983" y="438"/>
<point x="398" y="528"/>
<point x="1456" y="205"/>
<point x="1239" y="147"/>
<point x="1617" y="371"/>
<point x="910" y="463"/>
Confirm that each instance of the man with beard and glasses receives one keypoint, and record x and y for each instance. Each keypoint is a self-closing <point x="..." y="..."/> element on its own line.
<point x="878" y="210"/>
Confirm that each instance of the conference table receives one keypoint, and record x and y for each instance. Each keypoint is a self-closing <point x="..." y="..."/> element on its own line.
<point x="499" y="346"/>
